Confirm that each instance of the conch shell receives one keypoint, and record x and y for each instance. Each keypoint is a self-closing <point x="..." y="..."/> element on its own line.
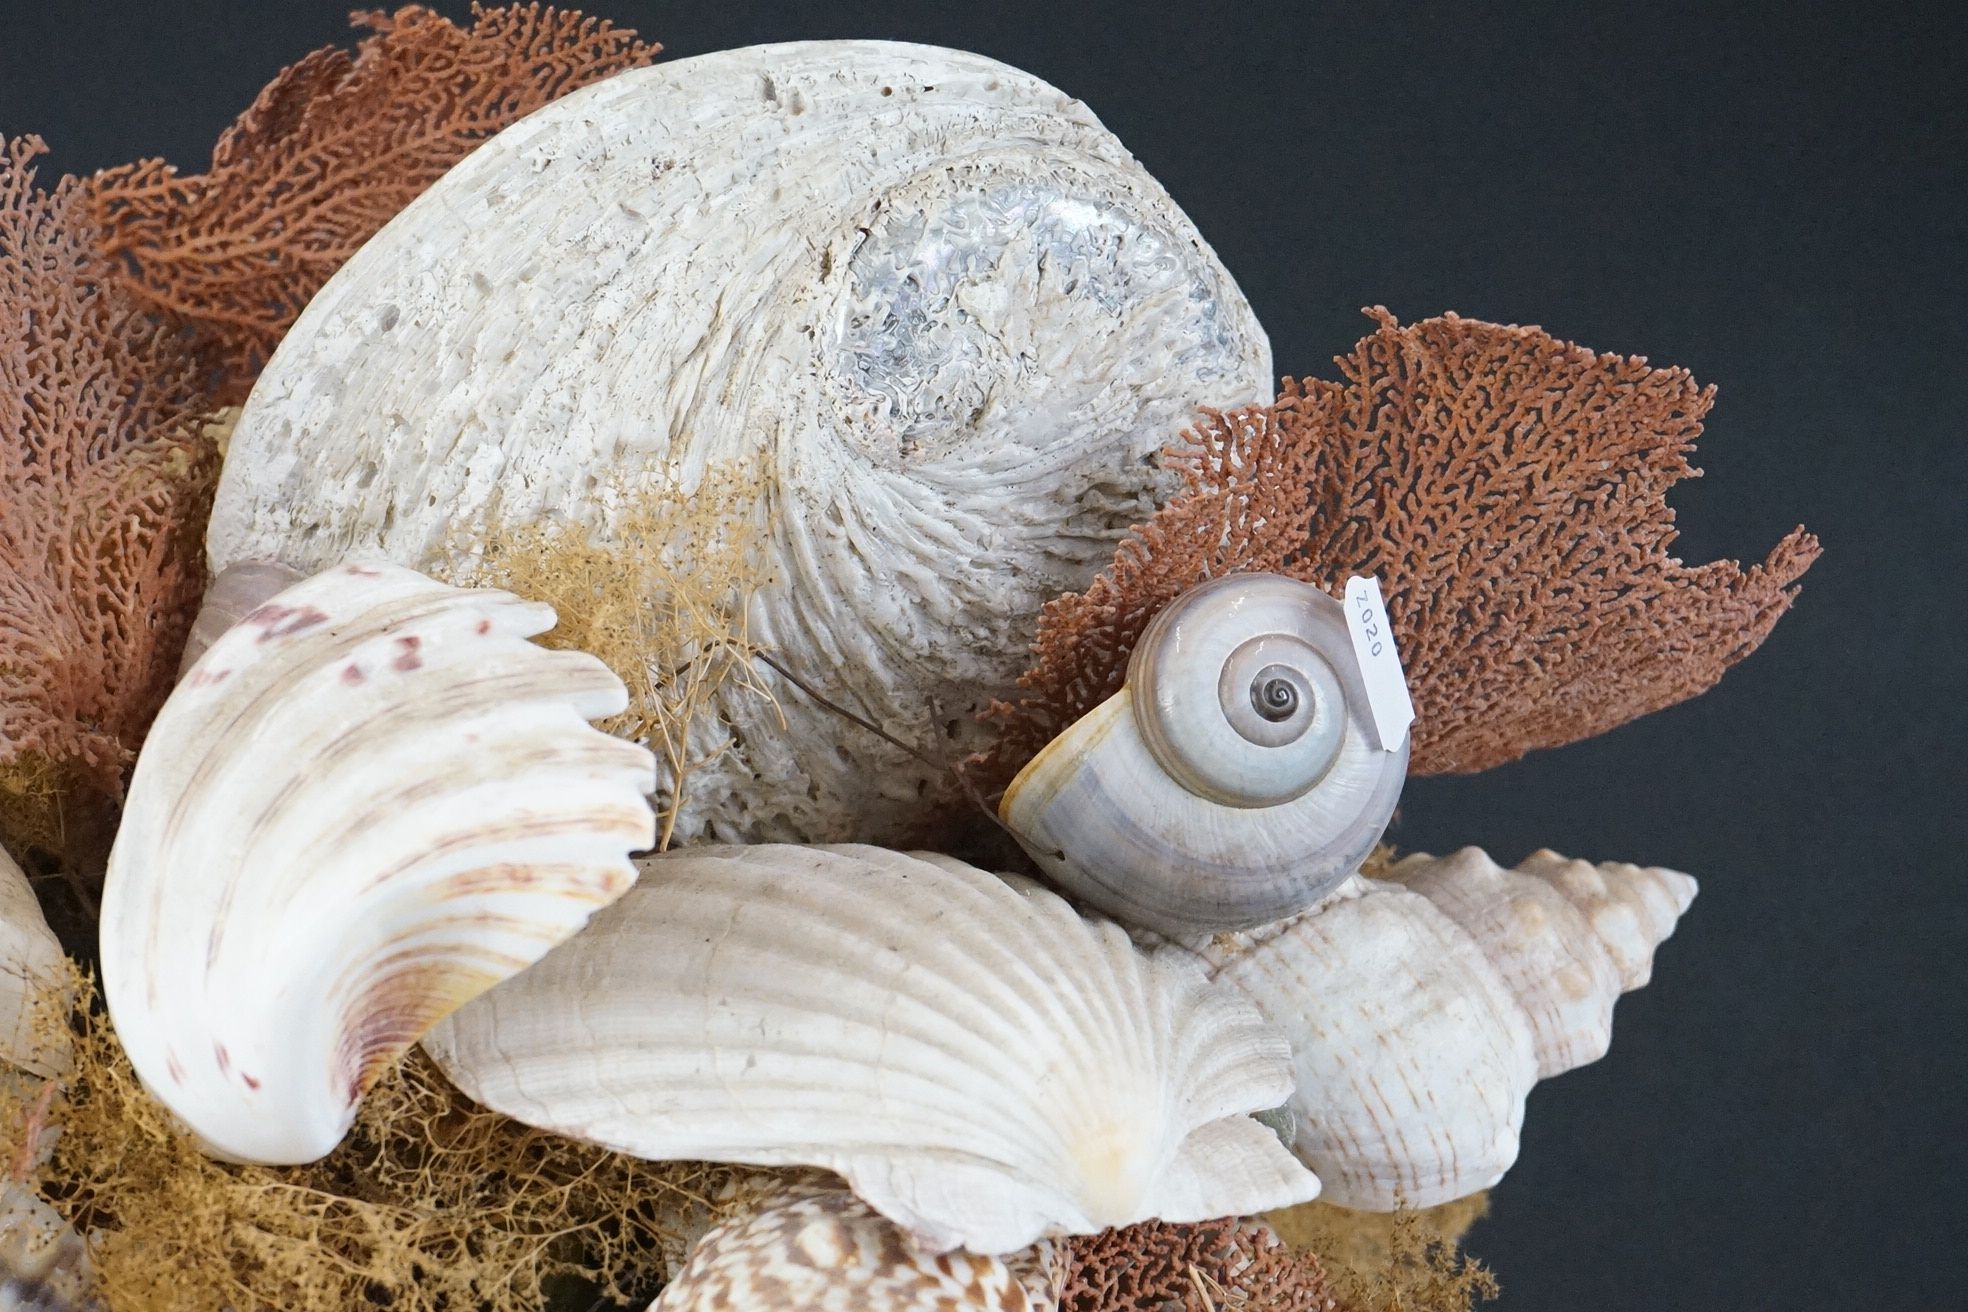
<point x="1421" y="1012"/>
<point x="938" y="313"/>
<point x="815" y="1247"/>
<point x="367" y="802"/>
<point x="1234" y="780"/>
<point x="982" y="1065"/>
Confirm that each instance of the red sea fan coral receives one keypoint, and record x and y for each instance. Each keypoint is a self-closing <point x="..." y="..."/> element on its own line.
<point x="1508" y="489"/>
<point x="104" y="485"/>
<point x="1215" y="1266"/>
<point x="330" y="152"/>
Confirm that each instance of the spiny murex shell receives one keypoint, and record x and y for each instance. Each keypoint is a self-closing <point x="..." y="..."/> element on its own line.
<point x="941" y="315"/>
<point x="815" y="1247"/>
<point x="367" y="802"/>
<point x="981" y="1064"/>
<point x="1421" y="1012"/>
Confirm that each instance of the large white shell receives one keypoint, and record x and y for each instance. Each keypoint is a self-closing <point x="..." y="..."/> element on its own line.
<point x="981" y="1064"/>
<point x="817" y="1248"/>
<point x="1422" y="1012"/>
<point x="1567" y="937"/>
<point x="944" y="315"/>
<point x="33" y="971"/>
<point x="1412" y="1059"/>
<point x="367" y="802"/>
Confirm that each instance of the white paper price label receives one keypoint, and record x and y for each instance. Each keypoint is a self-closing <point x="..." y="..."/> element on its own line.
<point x="1380" y="663"/>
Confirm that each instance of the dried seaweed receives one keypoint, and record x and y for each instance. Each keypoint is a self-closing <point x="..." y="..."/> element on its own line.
<point x="107" y="482"/>
<point x="430" y="1204"/>
<point x="1400" y="1261"/>
<point x="1509" y="491"/>
<point x="328" y="153"/>
<point x="663" y="599"/>
<point x="1213" y="1266"/>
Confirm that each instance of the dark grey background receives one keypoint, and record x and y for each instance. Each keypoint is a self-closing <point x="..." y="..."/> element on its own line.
<point x="1771" y="197"/>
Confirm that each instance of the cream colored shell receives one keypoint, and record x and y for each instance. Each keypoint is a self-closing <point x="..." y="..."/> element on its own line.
<point x="1421" y="1012"/>
<point x="44" y="1264"/>
<point x="1567" y="937"/>
<point x="815" y="1247"/>
<point x="938" y="314"/>
<point x="365" y="803"/>
<point x="982" y="1065"/>
<point x="33" y="974"/>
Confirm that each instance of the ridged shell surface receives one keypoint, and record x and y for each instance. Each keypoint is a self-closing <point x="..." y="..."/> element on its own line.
<point x="1545" y="927"/>
<point x="983" y="1066"/>
<point x="940" y="317"/>
<point x="368" y="801"/>
<point x="1412" y="1058"/>
<point x="32" y="968"/>
<point x="818" y="1248"/>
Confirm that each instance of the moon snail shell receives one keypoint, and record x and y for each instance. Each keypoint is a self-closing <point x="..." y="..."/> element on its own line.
<point x="1234" y="780"/>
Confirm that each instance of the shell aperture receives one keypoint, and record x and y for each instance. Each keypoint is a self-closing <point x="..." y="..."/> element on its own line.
<point x="1233" y="781"/>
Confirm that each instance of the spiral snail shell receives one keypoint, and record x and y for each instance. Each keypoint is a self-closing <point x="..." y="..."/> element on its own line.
<point x="1234" y="780"/>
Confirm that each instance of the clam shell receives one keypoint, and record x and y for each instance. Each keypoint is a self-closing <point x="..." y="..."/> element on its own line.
<point x="367" y="802"/>
<point x="32" y="968"/>
<point x="982" y="1065"/>
<point x="817" y="1248"/>
<point x="936" y="310"/>
<point x="1567" y="937"/>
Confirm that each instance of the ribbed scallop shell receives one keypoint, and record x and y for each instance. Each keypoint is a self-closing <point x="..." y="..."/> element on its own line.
<point x="981" y="1064"/>
<point x="1567" y="937"/>
<point x="1412" y="1058"/>
<point x="818" y="1248"/>
<point x="939" y="314"/>
<point x="367" y="802"/>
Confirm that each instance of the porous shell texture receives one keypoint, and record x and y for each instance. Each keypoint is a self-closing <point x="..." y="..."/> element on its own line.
<point x="1567" y="937"/>
<point x="937" y="313"/>
<point x="818" y="1248"/>
<point x="44" y="1264"/>
<point x="32" y="969"/>
<point x="1421" y="1012"/>
<point x="368" y="801"/>
<point x="981" y="1064"/>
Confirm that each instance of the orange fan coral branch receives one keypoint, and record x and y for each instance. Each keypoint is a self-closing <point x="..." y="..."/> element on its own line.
<point x="1508" y="489"/>
<point x="330" y="152"/>
<point x="104" y="483"/>
<point x="1214" y="1266"/>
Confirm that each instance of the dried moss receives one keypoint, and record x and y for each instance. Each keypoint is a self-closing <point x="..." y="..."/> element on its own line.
<point x="430" y="1204"/>
<point x="1403" y="1261"/>
<point x="663" y="598"/>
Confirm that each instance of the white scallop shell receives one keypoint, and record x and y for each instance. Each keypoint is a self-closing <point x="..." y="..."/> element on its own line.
<point x="981" y="1064"/>
<point x="33" y="969"/>
<point x="1421" y="1012"/>
<point x="941" y="312"/>
<point x="367" y="802"/>
<point x="817" y="1248"/>
<point x="1567" y="937"/>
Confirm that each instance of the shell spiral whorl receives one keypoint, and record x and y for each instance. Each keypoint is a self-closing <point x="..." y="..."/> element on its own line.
<point x="927" y="300"/>
<point x="1233" y="781"/>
